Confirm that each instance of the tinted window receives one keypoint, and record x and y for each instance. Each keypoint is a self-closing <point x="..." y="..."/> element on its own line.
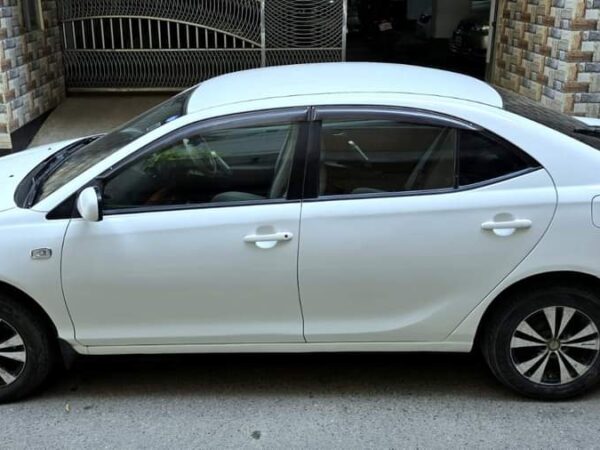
<point x="483" y="158"/>
<point x="245" y="164"/>
<point x="371" y="156"/>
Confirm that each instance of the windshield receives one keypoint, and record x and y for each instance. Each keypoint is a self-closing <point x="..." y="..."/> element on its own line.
<point x="87" y="156"/>
<point x="568" y="125"/>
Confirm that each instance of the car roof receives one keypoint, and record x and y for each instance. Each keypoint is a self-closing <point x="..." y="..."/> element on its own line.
<point x="338" y="78"/>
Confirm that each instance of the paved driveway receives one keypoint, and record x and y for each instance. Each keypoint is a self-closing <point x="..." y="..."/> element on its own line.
<point x="298" y="401"/>
<point x="90" y="114"/>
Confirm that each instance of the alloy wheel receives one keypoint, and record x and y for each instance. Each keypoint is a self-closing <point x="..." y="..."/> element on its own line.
<point x="13" y="354"/>
<point x="555" y="345"/>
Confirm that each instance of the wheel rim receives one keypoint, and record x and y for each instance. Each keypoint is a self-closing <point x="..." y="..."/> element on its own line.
<point x="13" y="355"/>
<point x="555" y="345"/>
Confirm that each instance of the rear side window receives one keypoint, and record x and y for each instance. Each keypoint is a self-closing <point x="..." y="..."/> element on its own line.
<point x="483" y="158"/>
<point x="377" y="156"/>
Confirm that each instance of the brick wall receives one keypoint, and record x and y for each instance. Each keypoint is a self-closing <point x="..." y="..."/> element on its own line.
<point x="31" y="70"/>
<point x="549" y="50"/>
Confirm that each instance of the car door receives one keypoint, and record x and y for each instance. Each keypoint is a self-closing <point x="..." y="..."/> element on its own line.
<point x="198" y="241"/>
<point x="410" y="219"/>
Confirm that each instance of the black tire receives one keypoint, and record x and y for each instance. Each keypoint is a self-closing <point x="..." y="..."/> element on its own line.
<point x="38" y="343"/>
<point x="528" y="304"/>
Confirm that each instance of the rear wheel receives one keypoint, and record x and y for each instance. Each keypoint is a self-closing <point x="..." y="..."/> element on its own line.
<point x="546" y="343"/>
<point x="27" y="355"/>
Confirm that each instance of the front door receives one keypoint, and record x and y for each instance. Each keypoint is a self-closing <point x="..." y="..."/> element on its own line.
<point x="198" y="244"/>
<point x="414" y="221"/>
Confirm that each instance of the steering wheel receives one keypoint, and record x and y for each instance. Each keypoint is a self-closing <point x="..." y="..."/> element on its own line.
<point x="206" y="159"/>
<point x="220" y="163"/>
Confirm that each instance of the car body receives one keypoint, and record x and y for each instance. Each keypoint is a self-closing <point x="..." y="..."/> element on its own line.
<point x="424" y="24"/>
<point x="269" y="211"/>
<point x="472" y="35"/>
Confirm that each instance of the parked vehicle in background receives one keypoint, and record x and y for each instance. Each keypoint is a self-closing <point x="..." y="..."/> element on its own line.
<point x="377" y="22"/>
<point x="425" y="24"/>
<point x="311" y="208"/>
<point x="481" y="6"/>
<point x="471" y="37"/>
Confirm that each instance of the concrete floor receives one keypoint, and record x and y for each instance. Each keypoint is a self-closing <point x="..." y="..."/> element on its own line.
<point x="294" y="401"/>
<point x="89" y="114"/>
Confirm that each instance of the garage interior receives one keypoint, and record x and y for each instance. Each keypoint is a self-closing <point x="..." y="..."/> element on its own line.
<point x="446" y="34"/>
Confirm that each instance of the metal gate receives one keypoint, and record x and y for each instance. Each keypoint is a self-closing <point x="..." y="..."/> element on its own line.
<point x="172" y="44"/>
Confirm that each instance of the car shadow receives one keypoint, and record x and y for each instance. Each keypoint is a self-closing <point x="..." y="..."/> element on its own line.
<point x="456" y="376"/>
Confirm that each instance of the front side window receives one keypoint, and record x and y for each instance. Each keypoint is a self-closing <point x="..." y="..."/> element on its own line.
<point x="377" y="156"/>
<point x="233" y="165"/>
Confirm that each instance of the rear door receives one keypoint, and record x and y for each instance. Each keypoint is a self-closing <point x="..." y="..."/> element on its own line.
<point x="409" y="221"/>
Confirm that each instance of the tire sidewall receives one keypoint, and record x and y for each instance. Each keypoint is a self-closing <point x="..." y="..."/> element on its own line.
<point x="39" y="360"/>
<point x="501" y="355"/>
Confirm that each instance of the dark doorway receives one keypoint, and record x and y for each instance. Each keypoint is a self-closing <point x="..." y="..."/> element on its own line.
<point x="446" y="34"/>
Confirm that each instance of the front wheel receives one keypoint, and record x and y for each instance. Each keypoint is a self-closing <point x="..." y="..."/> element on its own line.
<point x="27" y="355"/>
<point x="546" y="343"/>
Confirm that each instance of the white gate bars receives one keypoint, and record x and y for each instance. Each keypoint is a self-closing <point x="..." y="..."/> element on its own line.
<point x="150" y="45"/>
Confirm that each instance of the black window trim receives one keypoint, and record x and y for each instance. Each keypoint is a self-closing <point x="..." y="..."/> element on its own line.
<point x="304" y="177"/>
<point x="450" y="190"/>
<point x="298" y="115"/>
<point x="400" y="114"/>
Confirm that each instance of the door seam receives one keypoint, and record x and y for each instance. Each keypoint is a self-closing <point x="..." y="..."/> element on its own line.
<point x="62" y="286"/>
<point x="298" y="272"/>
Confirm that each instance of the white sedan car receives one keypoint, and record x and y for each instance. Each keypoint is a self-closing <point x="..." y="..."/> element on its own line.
<point x="312" y="208"/>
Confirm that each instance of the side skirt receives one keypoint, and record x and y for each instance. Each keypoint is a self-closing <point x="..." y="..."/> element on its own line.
<point x="460" y="347"/>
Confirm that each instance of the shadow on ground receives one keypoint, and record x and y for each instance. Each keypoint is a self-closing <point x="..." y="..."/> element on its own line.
<point x="321" y="375"/>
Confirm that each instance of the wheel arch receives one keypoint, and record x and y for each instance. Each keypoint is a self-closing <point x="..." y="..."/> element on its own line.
<point x="26" y="300"/>
<point x="557" y="278"/>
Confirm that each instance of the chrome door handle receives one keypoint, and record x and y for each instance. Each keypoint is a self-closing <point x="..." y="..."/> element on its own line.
<point x="274" y="237"/>
<point x="507" y="225"/>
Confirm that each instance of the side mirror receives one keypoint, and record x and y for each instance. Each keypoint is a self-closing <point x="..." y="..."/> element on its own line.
<point x="88" y="204"/>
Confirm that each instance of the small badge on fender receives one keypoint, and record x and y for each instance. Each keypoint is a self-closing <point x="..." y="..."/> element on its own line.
<point x="41" y="253"/>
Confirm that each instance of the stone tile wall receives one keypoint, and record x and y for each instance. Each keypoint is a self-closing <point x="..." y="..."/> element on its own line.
<point x="549" y="50"/>
<point x="31" y="68"/>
